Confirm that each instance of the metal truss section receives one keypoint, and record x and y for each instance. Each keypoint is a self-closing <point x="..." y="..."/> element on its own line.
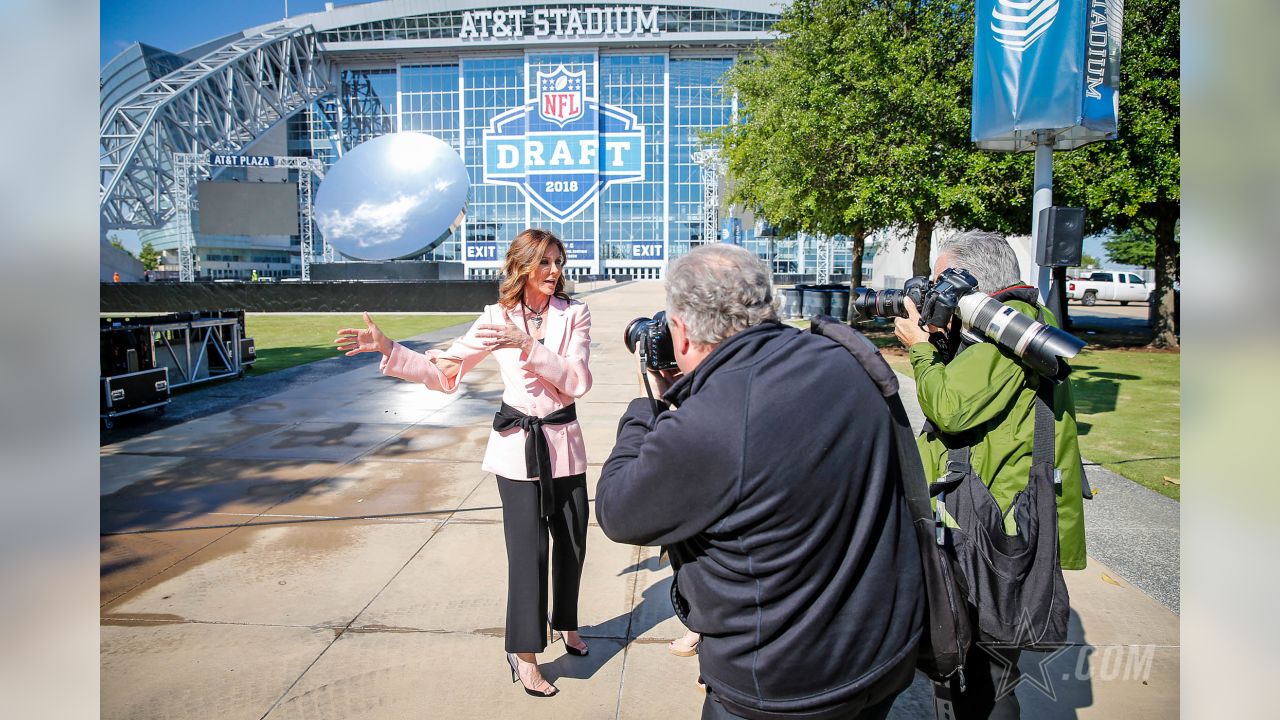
<point x="185" y="166"/>
<point x="189" y="167"/>
<point x="826" y="248"/>
<point x="307" y="168"/>
<point x="198" y="350"/>
<point x="222" y="102"/>
<point x="713" y="169"/>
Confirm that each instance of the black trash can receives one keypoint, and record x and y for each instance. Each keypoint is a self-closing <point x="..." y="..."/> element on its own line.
<point x="816" y="301"/>
<point x="791" y="306"/>
<point x="839" y="303"/>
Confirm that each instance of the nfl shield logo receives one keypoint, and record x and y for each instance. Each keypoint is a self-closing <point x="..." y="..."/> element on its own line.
<point x="562" y="147"/>
<point x="561" y="95"/>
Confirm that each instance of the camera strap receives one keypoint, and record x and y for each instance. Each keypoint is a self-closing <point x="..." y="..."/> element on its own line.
<point x="653" y="402"/>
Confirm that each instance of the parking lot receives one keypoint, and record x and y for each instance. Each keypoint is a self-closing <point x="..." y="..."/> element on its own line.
<point x="1110" y="310"/>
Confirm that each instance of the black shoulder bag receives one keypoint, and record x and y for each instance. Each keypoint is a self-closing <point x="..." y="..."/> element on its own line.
<point x="1014" y="581"/>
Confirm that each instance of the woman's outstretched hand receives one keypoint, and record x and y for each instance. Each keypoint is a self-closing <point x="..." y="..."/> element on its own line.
<point x="369" y="339"/>
<point x="503" y="336"/>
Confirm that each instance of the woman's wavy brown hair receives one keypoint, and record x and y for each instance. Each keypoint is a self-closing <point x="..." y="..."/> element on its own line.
<point x="523" y="257"/>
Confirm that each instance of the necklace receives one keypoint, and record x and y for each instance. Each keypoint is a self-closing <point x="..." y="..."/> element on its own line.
<point x="536" y="316"/>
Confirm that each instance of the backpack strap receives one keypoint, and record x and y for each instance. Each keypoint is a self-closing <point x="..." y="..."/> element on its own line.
<point x="869" y="357"/>
<point x="1044" y="445"/>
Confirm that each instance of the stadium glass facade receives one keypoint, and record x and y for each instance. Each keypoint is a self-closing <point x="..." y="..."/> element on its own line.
<point x="486" y="78"/>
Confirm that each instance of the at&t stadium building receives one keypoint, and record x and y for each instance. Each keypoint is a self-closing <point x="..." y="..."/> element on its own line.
<point x="583" y="118"/>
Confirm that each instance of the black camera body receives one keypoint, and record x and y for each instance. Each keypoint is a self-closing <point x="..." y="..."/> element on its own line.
<point x="1041" y="347"/>
<point x="650" y="338"/>
<point x="936" y="301"/>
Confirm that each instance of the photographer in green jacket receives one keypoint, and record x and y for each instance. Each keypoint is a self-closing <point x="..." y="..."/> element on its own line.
<point x="979" y="395"/>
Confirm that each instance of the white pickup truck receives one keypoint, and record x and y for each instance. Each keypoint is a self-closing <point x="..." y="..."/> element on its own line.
<point x="1123" y="287"/>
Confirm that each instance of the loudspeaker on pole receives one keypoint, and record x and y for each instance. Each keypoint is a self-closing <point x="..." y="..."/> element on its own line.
<point x="1061" y="241"/>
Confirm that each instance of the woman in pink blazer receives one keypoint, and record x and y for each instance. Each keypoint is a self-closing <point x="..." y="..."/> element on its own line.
<point x="541" y="341"/>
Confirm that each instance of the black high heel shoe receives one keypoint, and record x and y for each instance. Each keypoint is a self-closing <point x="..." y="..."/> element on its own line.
<point x="515" y="677"/>
<point x="567" y="647"/>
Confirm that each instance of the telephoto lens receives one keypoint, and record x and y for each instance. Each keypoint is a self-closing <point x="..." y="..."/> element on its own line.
<point x="1042" y="347"/>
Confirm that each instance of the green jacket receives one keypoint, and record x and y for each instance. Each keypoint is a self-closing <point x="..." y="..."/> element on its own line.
<point x="984" y="398"/>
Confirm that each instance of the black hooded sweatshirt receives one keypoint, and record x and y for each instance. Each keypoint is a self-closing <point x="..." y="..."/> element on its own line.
<point x="774" y="485"/>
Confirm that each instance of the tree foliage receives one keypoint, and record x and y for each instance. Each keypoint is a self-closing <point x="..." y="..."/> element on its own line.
<point x="149" y="256"/>
<point x="114" y="241"/>
<point x="857" y="118"/>
<point x="1088" y="261"/>
<point x="1131" y="247"/>
<point x="1133" y="183"/>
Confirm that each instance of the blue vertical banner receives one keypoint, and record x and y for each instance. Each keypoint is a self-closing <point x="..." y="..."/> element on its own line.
<point x="731" y="230"/>
<point x="1045" y="65"/>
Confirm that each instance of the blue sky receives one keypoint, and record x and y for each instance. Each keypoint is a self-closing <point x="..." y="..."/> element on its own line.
<point x="176" y="25"/>
<point x="1093" y="246"/>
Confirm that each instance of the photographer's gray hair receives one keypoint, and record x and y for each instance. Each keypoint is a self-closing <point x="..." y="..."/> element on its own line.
<point x="719" y="290"/>
<point x="987" y="256"/>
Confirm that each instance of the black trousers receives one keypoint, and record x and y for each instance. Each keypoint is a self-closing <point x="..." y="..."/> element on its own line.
<point x="872" y="703"/>
<point x="984" y="676"/>
<point x="526" y="534"/>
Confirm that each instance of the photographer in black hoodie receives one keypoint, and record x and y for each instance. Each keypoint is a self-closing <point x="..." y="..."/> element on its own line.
<point x="773" y="483"/>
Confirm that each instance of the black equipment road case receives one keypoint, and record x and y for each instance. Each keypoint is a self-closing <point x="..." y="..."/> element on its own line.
<point x="133" y="392"/>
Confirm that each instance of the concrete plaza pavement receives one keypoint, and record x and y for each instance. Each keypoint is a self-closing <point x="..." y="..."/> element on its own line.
<point x="335" y="551"/>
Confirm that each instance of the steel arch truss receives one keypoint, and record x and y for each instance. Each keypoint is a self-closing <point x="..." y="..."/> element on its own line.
<point x="220" y="102"/>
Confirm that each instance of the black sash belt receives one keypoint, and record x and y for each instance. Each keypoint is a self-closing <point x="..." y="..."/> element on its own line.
<point x="537" y="456"/>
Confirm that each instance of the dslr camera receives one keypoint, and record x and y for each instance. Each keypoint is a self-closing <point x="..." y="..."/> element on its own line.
<point x="1041" y="347"/>
<point x="650" y="338"/>
<point x="936" y="301"/>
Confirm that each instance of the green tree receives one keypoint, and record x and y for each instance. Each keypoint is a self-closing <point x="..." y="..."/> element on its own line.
<point x="1135" y="246"/>
<point x="781" y="156"/>
<point x="857" y="118"/>
<point x="1088" y="261"/>
<point x="114" y="241"/>
<point x="1133" y="183"/>
<point x="149" y="256"/>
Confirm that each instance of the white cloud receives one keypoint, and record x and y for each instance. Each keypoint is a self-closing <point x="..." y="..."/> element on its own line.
<point x="372" y="224"/>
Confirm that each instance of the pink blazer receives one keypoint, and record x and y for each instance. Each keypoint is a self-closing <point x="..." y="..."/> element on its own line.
<point x="550" y="376"/>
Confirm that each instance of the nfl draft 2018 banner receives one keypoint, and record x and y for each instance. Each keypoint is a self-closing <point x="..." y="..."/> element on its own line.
<point x="562" y="148"/>
<point x="1045" y="65"/>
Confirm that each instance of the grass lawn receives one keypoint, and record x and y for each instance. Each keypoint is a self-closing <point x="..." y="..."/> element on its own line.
<point x="1127" y="408"/>
<point x="285" y="340"/>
